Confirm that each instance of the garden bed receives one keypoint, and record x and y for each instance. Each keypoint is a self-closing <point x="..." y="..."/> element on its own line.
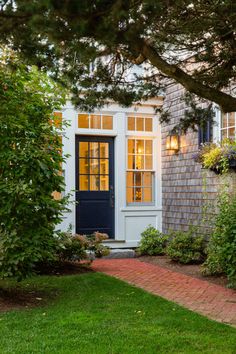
<point x="193" y="270"/>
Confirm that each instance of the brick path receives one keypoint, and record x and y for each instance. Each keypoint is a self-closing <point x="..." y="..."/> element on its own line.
<point x="208" y="299"/>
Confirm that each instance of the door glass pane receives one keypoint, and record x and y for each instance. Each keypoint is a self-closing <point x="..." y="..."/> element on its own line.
<point x="148" y="124"/>
<point x="83" y="166"/>
<point x="94" y="164"/>
<point x="139" y="124"/>
<point x="83" y="183"/>
<point x="148" y="146"/>
<point x="104" y="150"/>
<point x="95" y="121"/>
<point x="83" y="149"/>
<point x="94" y="183"/>
<point x="104" y="183"/>
<point x="107" y="122"/>
<point x="83" y="120"/>
<point x="94" y="149"/>
<point x="131" y="123"/>
<point x="104" y="166"/>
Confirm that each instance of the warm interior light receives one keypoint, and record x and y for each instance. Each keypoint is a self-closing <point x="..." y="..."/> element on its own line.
<point x="172" y="142"/>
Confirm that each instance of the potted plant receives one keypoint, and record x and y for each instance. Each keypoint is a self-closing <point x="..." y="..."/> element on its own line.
<point x="219" y="158"/>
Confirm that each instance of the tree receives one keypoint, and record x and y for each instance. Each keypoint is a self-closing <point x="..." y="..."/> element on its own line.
<point x="30" y="162"/>
<point x="191" y="42"/>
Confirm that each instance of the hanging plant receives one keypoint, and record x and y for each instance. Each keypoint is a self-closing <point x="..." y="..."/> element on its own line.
<point x="219" y="158"/>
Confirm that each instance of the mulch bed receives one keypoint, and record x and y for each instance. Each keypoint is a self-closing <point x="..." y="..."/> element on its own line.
<point x="18" y="298"/>
<point x="193" y="270"/>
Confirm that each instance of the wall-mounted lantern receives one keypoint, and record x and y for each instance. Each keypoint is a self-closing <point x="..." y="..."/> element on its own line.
<point x="173" y="142"/>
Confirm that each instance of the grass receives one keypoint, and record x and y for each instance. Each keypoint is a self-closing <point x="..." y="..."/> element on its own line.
<point x="93" y="313"/>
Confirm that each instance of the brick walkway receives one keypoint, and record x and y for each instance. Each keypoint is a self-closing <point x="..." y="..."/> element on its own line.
<point x="208" y="299"/>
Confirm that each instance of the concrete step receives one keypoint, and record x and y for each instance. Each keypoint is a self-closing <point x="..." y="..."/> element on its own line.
<point x="121" y="253"/>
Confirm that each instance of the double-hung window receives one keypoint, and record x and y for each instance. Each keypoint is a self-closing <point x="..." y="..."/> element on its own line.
<point x="228" y="126"/>
<point x="140" y="173"/>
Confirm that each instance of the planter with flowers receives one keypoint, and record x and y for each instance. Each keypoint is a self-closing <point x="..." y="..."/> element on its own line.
<point x="219" y="158"/>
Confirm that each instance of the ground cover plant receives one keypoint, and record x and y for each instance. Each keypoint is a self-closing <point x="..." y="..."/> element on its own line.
<point x="94" y="313"/>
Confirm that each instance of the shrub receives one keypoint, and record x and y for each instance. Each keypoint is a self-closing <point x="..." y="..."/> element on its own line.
<point x="221" y="251"/>
<point x="186" y="247"/>
<point x="152" y="242"/>
<point x="80" y="247"/>
<point x="29" y="170"/>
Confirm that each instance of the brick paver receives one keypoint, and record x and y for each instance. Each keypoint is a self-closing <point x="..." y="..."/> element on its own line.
<point x="213" y="301"/>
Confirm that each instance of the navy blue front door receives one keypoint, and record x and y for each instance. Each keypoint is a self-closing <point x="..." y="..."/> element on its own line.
<point x="95" y="185"/>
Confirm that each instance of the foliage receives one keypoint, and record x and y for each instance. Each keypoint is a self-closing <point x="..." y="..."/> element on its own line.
<point x="30" y="155"/>
<point x="221" y="251"/>
<point x="78" y="247"/>
<point x="186" y="246"/>
<point x="152" y="242"/>
<point x="92" y="47"/>
<point x="217" y="157"/>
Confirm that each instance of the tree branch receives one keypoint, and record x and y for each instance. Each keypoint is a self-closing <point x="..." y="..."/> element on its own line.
<point x="225" y="101"/>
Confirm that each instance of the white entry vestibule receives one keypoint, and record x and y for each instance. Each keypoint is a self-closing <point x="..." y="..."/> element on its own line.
<point x="113" y="171"/>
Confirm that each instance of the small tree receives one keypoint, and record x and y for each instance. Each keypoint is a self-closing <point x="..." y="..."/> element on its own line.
<point x="30" y="165"/>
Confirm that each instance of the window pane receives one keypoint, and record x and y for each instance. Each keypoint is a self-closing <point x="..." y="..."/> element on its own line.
<point x="148" y="162"/>
<point x="139" y="162"/>
<point x="83" y="166"/>
<point x="95" y="121"/>
<point x="139" y="146"/>
<point x="231" y="119"/>
<point x="129" y="195"/>
<point x="147" y="195"/>
<point x="131" y="123"/>
<point x="148" y="124"/>
<point x="138" y="179"/>
<point x="94" y="163"/>
<point x="223" y="134"/>
<point x="140" y="124"/>
<point x="129" y="179"/>
<point x="94" y="183"/>
<point x="104" y="183"/>
<point x="224" y="120"/>
<point x="94" y="149"/>
<point x="107" y="122"/>
<point x="231" y="133"/>
<point x="104" y="166"/>
<point x="83" y="149"/>
<point x="147" y="179"/>
<point x="148" y="147"/>
<point x="131" y="146"/>
<point x="57" y="120"/>
<point x="83" y="121"/>
<point x="104" y="150"/>
<point x="138" y="195"/>
<point x="131" y="162"/>
<point x="83" y="183"/>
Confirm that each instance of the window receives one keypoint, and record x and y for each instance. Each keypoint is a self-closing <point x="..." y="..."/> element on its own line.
<point x="140" y="124"/>
<point x="140" y="174"/>
<point x="228" y="126"/>
<point x="95" y="121"/>
<point x="93" y="166"/>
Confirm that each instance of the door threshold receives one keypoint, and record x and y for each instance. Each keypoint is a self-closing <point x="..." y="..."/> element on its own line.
<point x="112" y="240"/>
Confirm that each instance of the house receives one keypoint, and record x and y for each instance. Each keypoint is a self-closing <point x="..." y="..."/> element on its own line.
<point x="123" y="178"/>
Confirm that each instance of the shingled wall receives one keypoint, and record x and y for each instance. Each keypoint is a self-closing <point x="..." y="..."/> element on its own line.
<point x="183" y="180"/>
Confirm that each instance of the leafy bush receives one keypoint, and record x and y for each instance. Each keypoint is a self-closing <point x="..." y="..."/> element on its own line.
<point x="29" y="169"/>
<point x="80" y="247"/>
<point x="152" y="242"/>
<point x="221" y="251"/>
<point x="186" y="247"/>
<point x="217" y="157"/>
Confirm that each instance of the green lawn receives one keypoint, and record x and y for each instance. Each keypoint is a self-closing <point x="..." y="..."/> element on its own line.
<point x="93" y="313"/>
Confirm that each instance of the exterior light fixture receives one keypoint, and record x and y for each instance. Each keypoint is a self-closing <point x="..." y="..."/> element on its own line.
<point x="172" y="142"/>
